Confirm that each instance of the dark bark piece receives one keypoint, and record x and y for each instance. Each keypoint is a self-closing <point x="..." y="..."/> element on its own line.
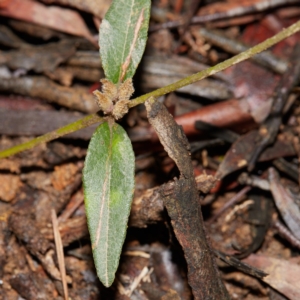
<point x="27" y="230"/>
<point x="184" y="210"/>
<point x="171" y="136"/>
<point x="182" y="202"/>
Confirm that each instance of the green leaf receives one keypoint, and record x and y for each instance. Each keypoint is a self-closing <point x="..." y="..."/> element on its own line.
<point x="108" y="181"/>
<point x="123" y="36"/>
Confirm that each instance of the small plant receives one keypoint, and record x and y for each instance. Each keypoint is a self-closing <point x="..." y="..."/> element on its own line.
<point x="108" y="175"/>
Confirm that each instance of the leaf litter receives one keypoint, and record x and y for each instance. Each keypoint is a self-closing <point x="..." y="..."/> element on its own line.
<point x="28" y="262"/>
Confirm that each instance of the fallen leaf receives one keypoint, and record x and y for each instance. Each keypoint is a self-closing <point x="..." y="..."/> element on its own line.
<point x="283" y="275"/>
<point x="58" y="18"/>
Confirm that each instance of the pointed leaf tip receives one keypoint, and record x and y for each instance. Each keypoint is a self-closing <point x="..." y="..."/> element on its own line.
<point x="108" y="181"/>
<point x="122" y="38"/>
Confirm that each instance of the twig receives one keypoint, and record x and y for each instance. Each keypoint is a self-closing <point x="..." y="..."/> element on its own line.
<point x="239" y="265"/>
<point x="60" y="253"/>
<point x="92" y="119"/>
<point x="181" y="200"/>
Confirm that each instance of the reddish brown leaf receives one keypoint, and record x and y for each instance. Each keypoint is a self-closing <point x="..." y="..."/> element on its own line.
<point x="58" y="18"/>
<point x="96" y="7"/>
<point x="284" y="276"/>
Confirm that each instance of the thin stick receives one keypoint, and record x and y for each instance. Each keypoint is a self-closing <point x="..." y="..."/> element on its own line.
<point x="60" y="253"/>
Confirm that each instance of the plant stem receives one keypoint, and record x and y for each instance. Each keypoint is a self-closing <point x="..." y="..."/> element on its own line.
<point x="221" y="66"/>
<point x="80" y="124"/>
<point x="94" y="118"/>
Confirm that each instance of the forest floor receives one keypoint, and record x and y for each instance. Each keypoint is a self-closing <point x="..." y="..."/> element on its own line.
<point x="243" y="126"/>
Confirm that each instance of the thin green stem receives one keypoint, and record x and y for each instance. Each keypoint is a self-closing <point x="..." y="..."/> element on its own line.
<point x="80" y="124"/>
<point x="94" y="118"/>
<point x="221" y="66"/>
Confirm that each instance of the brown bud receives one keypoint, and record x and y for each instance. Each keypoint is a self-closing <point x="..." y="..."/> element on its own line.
<point x="120" y="109"/>
<point x="109" y="89"/>
<point x="104" y="102"/>
<point x="125" y="90"/>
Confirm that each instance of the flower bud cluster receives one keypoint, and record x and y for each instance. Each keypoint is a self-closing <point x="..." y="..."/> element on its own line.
<point x="114" y="100"/>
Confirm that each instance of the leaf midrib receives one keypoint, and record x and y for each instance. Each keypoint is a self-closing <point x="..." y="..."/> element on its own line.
<point x="105" y="186"/>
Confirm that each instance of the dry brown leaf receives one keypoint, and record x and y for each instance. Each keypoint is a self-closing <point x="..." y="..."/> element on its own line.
<point x="58" y="18"/>
<point x="96" y="7"/>
<point x="284" y="276"/>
